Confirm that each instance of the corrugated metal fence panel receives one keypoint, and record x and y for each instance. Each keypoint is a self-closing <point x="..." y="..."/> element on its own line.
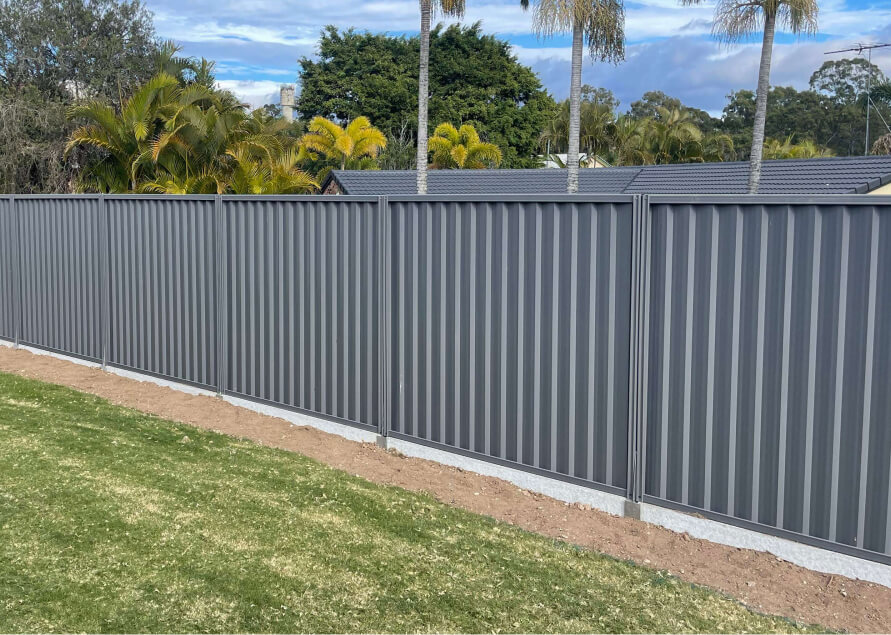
<point x="61" y="274"/>
<point x="8" y="268"/>
<point x="511" y="331"/>
<point x="162" y="272"/>
<point x="769" y="365"/>
<point x="301" y="290"/>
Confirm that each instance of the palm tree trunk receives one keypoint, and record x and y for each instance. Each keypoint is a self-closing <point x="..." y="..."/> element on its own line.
<point x="761" y="104"/>
<point x="423" y="95"/>
<point x="575" y="98"/>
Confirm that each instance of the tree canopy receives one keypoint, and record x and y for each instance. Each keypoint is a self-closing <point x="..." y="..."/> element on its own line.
<point x="474" y="79"/>
<point x="53" y="52"/>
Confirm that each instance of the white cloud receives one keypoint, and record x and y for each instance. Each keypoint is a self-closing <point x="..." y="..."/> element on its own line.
<point x="257" y="43"/>
<point x="253" y="92"/>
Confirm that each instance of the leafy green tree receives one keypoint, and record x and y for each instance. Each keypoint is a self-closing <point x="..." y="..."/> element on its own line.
<point x="53" y="52"/>
<point x="474" y="78"/>
<point x="845" y="81"/>
<point x="600" y="23"/>
<point x="647" y="107"/>
<point x="461" y="148"/>
<point x="738" y="20"/>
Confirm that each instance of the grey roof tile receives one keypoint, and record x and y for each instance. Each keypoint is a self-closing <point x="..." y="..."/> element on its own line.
<point x="843" y="175"/>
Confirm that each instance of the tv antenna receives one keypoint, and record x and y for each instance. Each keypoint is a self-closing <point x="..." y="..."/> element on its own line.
<point x="859" y="49"/>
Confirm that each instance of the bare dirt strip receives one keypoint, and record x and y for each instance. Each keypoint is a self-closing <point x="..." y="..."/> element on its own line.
<point x="758" y="579"/>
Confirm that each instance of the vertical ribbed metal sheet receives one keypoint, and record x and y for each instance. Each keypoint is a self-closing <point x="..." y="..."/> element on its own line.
<point x="769" y="357"/>
<point x="301" y="296"/>
<point x="162" y="271"/>
<point x="511" y="331"/>
<point x="8" y="270"/>
<point x="61" y="274"/>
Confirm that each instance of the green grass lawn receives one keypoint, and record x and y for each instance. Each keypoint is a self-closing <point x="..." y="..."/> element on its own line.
<point x="113" y="520"/>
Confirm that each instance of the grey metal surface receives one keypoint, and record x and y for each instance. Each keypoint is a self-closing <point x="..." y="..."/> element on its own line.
<point x="723" y="354"/>
<point x="8" y="270"/>
<point x="768" y="357"/>
<point x="301" y="297"/>
<point x="511" y="331"/>
<point x="162" y="291"/>
<point x="61" y="281"/>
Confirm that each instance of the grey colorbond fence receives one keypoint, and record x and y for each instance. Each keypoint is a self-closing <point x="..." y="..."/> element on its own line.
<point x="724" y="355"/>
<point x="510" y="330"/>
<point x="769" y="362"/>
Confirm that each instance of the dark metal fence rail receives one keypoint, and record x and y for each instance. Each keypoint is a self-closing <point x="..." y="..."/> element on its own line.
<point x="724" y="355"/>
<point x="510" y="331"/>
<point x="769" y="356"/>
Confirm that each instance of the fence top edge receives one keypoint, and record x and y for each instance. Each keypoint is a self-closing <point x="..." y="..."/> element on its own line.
<point x="771" y="199"/>
<point x="302" y="198"/>
<point x="84" y="197"/>
<point x="513" y="198"/>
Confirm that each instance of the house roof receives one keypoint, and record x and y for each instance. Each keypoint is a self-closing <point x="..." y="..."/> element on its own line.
<point x="837" y="175"/>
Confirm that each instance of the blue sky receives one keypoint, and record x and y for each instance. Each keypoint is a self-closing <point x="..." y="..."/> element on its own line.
<point x="256" y="43"/>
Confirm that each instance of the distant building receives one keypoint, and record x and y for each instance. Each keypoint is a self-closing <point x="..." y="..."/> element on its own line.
<point x="558" y="160"/>
<point x="288" y="102"/>
<point x="792" y="177"/>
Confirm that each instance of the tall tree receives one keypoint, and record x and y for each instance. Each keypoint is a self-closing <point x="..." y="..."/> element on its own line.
<point x="53" y="52"/>
<point x="474" y="79"/>
<point x="737" y="20"/>
<point x="448" y="8"/>
<point x="602" y="24"/>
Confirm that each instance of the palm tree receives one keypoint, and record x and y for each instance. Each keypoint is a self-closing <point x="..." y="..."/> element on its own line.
<point x="674" y="137"/>
<point x="180" y="138"/>
<point x="736" y="20"/>
<point x="355" y="146"/>
<point x="786" y="149"/>
<point x="462" y="148"/>
<point x="602" y="24"/>
<point x="628" y="138"/>
<point x="124" y="138"/>
<point x="449" y="8"/>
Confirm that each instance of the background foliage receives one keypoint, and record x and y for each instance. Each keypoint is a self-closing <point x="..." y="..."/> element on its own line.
<point x="474" y="79"/>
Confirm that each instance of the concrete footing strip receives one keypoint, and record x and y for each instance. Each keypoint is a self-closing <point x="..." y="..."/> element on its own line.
<point x="807" y="556"/>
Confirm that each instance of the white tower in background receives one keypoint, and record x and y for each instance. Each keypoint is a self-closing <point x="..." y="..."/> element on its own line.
<point x="287" y="102"/>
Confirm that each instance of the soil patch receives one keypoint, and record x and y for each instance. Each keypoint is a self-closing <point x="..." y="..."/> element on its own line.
<point x="760" y="580"/>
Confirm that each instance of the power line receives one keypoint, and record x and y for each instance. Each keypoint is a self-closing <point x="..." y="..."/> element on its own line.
<point x="869" y="105"/>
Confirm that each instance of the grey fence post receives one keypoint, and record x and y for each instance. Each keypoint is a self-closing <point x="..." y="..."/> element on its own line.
<point x="638" y="345"/>
<point x="18" y="302"/>
<point x="384" y="311"/>
<point x="105" y="267"/>
<point x="221" y="321"/>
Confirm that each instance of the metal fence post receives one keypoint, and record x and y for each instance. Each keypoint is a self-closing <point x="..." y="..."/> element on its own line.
<point x="221" y="321"/>
<point x="640" y="308"/>
<point x="384" y="312"/>
<point x="105" y="267"/>
<point x="17" y="276"/>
